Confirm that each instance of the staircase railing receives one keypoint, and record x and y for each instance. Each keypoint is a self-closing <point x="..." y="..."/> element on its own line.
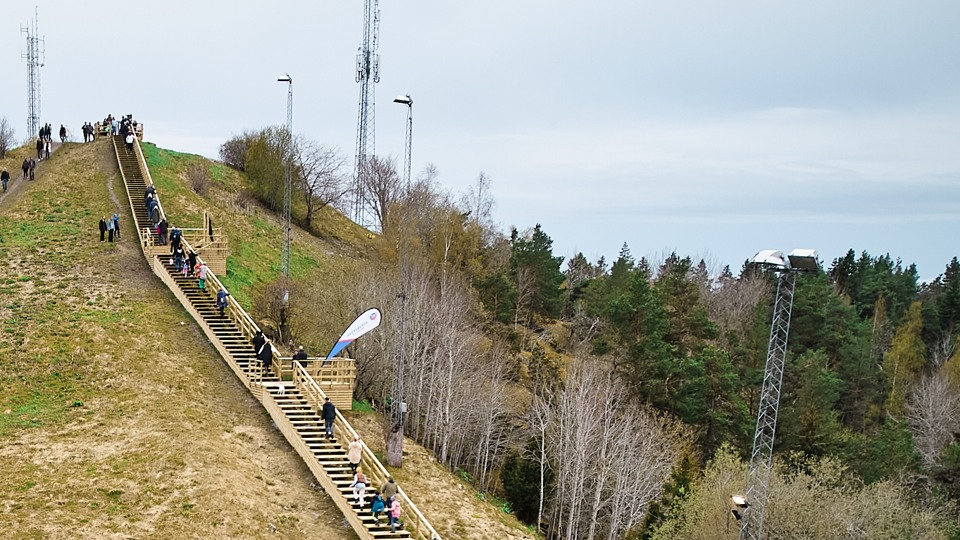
<point x="304" y="382"/>
<point x="372" y="467"/>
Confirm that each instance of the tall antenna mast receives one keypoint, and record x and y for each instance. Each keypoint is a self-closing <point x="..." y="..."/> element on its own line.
<point x="368" y="75"/>
<point x="35" y="56"/>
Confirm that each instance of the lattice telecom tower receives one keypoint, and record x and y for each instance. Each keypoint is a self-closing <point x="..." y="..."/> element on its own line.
<point x="34" y="56"/>
<point x="368" y="75"/>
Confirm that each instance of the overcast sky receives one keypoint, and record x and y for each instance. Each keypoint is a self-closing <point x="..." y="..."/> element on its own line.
<point x="714" y="129"/>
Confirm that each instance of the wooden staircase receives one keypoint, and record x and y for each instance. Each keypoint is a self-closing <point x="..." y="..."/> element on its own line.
<point x="293" y="404"/>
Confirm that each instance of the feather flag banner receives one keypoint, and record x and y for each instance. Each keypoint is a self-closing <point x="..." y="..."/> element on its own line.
<point x="367" y="321"/>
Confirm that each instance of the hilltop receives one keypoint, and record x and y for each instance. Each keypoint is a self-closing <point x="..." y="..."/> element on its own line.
<point x="119" y="419"/>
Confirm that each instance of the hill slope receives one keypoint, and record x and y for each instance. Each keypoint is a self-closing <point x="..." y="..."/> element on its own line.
<point x="117" y="417"/>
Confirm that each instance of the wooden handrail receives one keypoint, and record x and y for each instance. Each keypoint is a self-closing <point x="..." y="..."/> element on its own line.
<point x="307" y="385"/>
<point x="371" y="465"/>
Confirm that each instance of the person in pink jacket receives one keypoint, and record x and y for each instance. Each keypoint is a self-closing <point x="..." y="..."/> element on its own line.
<point x="394" y="513"/>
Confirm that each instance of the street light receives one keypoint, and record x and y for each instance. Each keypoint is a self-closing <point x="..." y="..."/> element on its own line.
<point x="287" y="189"/>
<point x="408" y="101"/>
<point x="398" y="406"/>
<point x="287" y="181"/>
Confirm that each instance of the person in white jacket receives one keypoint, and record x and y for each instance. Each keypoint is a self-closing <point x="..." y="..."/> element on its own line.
<point x="354" y="451"/>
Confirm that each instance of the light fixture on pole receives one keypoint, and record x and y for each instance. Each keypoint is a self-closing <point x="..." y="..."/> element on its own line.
<point x="754" y="501"/>
<point x="399" y="405"/>
<point x="287" y="181"/>
<point x="408" y="101"/>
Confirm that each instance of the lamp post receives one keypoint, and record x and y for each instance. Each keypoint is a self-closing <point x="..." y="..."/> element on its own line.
<point x="287" y="189"/>
<point x="408" y="101"/>
<point x="287" y="179"/>
<point x="398" y="407"/>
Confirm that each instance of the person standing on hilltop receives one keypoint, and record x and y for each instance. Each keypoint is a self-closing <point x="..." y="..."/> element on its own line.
<point x="63" y="134"/>
<point x="103" y="227"/>
<point x="4" y="178"/>
<point x="40" y="148"/>
<point x="46" y="149"/>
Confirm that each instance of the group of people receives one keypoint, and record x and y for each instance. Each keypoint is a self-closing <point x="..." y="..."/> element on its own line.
<point x="110" y="226"/>
<point x="89" y="132"/>
<point x="383" y="500"/>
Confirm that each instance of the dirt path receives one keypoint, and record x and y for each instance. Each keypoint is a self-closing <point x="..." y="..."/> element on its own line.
<point x="16" y="173"/>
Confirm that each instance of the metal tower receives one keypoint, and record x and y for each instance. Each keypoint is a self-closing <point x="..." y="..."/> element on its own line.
<point x="761" y="457"/>
<point x="35" y="52"/>
<point x="287" y="179"/>
<point x="368" y="75"/>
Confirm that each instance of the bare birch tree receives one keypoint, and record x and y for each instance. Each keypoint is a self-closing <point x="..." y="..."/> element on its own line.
<point x="6" y="136"/>
<point x="933" y="412"/>
<point x="611" y="456"/>
<point x="322" y="175"/>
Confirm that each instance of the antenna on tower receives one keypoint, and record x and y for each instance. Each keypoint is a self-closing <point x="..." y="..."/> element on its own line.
<point x="35" y="57"/>
<point x="368" y="74"/>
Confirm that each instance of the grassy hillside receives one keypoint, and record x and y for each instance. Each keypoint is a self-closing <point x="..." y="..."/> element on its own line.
<point x="117" y="417"/>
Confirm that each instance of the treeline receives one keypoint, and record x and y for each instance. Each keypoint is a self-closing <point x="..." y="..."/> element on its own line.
<point x="599" y="398"/>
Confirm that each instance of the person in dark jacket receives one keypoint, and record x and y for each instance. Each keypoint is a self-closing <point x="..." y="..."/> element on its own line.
<point x="329" y="414"/>
<point x="258" y="340"/>
<point x="175" y="239"/>
<point x="40" y="148"/>
<point x="299" y="355"/>
<point x="192" y="261"/>
<point x="33" y="168"/>
<point x="163" y="228"/>
<point x="25" y="167"/>
<point x="222" y="295"/>
<point x="63" y="133"/>
<point x="265" y="355"/>
<point x="103" y="227"/>
<point x="4" y="178"/>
